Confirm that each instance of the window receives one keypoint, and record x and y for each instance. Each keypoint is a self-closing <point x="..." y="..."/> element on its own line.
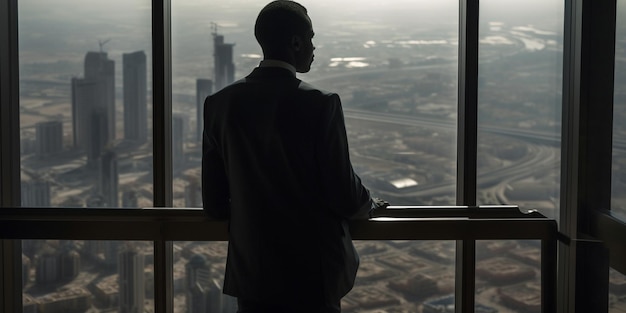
<point x="618" y="184"/>
<point x="394" y="67"/>
<point x="85" y="141"/>
<point x="71" y="155"/>
<point x="85" y="117"/>
<point x="617" y="291"/>
<point x="519" y="104"/>
<point x="87" y="275"/>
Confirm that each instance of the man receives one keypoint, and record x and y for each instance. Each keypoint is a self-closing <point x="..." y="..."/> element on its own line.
<point x="275" y="162"/>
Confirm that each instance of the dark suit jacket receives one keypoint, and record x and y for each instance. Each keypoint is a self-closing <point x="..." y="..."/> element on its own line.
<point x="275" y="162"/>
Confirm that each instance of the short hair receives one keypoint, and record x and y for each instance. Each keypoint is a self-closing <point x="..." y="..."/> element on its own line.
<point x="278" y="21"/>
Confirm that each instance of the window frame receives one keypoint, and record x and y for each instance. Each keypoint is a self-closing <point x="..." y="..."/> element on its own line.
<point x="585" y="205"/>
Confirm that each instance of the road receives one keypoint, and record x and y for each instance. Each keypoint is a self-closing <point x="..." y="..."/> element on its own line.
<point x="543" y="155"/>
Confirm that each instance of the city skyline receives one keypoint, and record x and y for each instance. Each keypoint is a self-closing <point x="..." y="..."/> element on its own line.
<point x="398" y="86"/>
<point x="427" y="63"/>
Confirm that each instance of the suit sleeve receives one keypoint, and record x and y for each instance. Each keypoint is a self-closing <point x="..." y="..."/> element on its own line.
<point x="344" y="192"/>
<point x="215" y="190"/>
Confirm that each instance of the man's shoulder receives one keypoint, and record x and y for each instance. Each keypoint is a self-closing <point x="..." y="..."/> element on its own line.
<point x="231" y="87"/>
<point x="307" y="87"/>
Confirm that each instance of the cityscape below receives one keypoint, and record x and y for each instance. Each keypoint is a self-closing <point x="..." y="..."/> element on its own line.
<point x="86" y="141"/>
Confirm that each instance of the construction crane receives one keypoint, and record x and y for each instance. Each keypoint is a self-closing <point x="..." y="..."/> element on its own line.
<point x="213" y="28"/>
<point x="102" y="43"/>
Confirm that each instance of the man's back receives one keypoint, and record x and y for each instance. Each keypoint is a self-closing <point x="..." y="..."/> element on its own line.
<point x="276" y="162"/>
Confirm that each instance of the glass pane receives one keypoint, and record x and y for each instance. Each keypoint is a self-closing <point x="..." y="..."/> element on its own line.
<point x="84" y="103"/>
<point x="508" y="276"/>
<point x="394" y="67"/>
<point x="199" y="277"/>
<point x="617" y="292"/>
<point x="618" y="184"/>
<point x="519" y="103"/>
<point x="87" y="276"/>
<point x="394" y="276"/>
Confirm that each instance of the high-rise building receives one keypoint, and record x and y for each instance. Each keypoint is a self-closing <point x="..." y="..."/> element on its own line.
<point x="131" y="280"/>
<point x="204" y="88"/>
<point x="99" y="67"/>
<point x="48" y="268"/>
<point x="193" y="193"/>
<point x="197" y="271"/>
<point x="178" y="139"/>
<point x="95" y="201"/>
<point x="25" y="269"/>
<point x="110" y="252"/>
<point x="35" y="191"/>
<point x="135" y="102"/>
<point x="203" y="295"/>
<point x="70" y="262"/>
<point x="198" y="299"/>
<point x="228" y="303"/>
<point x="223" y="57"/>
<point x="48" y="138"/>
<point x="98" y="134"/>
<point x="85" y="94"/>
<point x="108" y="178"/>
<point x="129" y="199"/>
<point x="94" y="93"/>
<point x="92" y="249"/>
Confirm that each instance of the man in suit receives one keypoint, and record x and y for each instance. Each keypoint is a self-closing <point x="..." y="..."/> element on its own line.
<point x="275" y="163"/>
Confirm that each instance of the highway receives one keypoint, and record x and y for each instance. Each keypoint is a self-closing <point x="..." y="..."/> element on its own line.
<point x="542" y="157"/>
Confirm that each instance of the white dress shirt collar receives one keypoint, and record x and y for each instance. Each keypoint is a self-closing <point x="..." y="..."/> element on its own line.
<point x="278" y="63"/>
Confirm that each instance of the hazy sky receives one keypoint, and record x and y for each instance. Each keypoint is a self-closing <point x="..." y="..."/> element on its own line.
<point x="64" y="30"/>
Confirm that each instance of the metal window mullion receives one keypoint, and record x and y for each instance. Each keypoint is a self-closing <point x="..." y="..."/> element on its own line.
<point x="467" y="138"/>
<point x="162" y="145"/>
<point x="9" y="107"/>
<point x="10" y="250"/>
<point x="162" y="103"/>
<point x="588" y="69"/>
<point x="467" y="145"/>
<point x="570" y="136"/>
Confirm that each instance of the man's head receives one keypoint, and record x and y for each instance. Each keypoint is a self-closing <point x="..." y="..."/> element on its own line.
<point x="284" y="31"/>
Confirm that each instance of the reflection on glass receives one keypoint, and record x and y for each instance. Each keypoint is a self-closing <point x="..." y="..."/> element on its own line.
<point x="618" y="200"/>
<point x="617" y="292"/>
<point x="508" y="276"/>
<point x="519" y="103"/>
<point x="84" y="99"/>
<point x="394" y="67"/>
<point x="394" y="276"/>
<point x="87" y="276"/>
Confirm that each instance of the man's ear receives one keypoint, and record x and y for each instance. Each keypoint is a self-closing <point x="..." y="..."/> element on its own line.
<point x="296" y="42"/>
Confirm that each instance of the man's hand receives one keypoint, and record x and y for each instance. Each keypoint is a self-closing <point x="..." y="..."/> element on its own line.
<point x="378" y="205"/>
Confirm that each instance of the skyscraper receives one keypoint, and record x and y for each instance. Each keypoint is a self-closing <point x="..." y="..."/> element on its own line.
<point x="129" y="199"/>
<point x="98" y="136"/>
<point x="202" y="293"/>
<point x="93" y="97"/>
<point x="197" y="271"/>
<point x="99" y="67"/>
<point x="131" y="280"/>
<point x="86" y="96"/>
<point x="48" y="138"/>
<point x="135" y="89"/>
<point x="35" y="191"/>
<point x="70" y="262"/>
<point x="110" y="252"/>
<point x="178" y="139"/>
<point x="48" y="268"/>
<point x="204" y="88"/>
<point x="223" y="57"/>
<point x="109" y="178"/>
<point x="193" y="193"/>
